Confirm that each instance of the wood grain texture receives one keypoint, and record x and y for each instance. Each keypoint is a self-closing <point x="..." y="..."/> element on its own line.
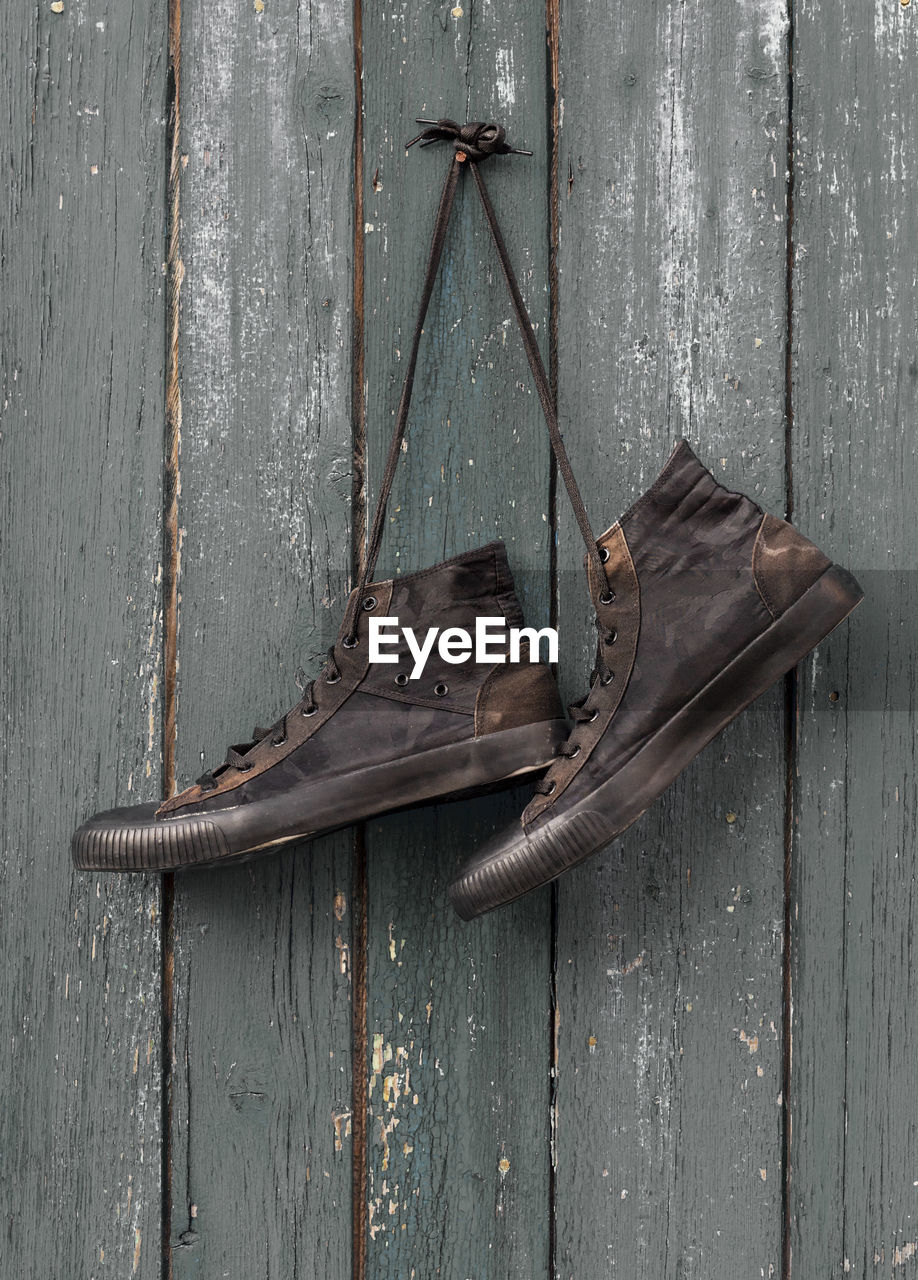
<point x="261" y="1081"/>
<point x="458" y="1027"/>
<point x="647" y="1120"/>
<point x="81" y="322"/>
<point x="671" y="309"/>
<point x="853" y="1206"/>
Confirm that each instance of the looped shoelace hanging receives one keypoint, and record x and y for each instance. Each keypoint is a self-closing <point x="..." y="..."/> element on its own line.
<point x="472" y="143"/>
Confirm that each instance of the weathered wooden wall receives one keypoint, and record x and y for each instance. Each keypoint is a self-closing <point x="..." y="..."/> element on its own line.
<point x="457" y="1016"/>
<point x="853" y="1190"/>
<point x="81" y="328"/>
<point x="260" y="1075"/>
<point x="671" y="315"/>
<point x="693" y="1056"/>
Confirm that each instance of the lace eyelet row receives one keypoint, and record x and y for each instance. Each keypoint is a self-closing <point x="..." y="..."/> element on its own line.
<point x="441" y="689"/>
<point x="279" y="737"/>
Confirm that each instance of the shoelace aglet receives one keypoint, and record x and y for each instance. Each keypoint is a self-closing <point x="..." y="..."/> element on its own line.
<point x="420" y="138"/>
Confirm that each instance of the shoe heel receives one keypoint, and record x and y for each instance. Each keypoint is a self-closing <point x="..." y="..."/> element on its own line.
<point x="821" y="608"/>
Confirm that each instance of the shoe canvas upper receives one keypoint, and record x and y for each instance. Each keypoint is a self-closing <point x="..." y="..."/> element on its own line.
<point x="687" y="598"/>
<point x="373" y="712"/>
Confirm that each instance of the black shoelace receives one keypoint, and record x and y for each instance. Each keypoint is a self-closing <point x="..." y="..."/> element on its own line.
<point x="472" y="143"/>
<point x="578" y="711"/>
<point x="236" y="757"/>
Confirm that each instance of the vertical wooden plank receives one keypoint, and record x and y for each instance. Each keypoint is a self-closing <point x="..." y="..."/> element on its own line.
<point x="458" y="1026"/>
<point x="852" y="1204"/>
<point x="671" y="310"/>
<point x="81" y="323"/>
<point x="261" y="1079"/>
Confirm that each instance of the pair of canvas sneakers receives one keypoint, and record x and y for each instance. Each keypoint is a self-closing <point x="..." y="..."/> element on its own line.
<point x="702" y="602"/>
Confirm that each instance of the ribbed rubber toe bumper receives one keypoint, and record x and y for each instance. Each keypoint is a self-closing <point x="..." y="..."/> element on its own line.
<point x="133" y="839"/>
<point x="522" y="860"/>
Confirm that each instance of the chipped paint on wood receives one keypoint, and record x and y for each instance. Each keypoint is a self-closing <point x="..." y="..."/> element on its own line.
<point x="262" y="1089"/>
<point x="671" y="264"/>
<point x="855" y="458"/>
<point x="80" y="507"/>
<point x="458" y="1081"/>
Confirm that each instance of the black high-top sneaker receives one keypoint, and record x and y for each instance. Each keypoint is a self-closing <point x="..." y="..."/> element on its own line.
<point x="702" y="602"/>
<point x="367" y="738"/>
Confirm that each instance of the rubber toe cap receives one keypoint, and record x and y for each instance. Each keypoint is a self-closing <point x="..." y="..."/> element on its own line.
<point x="134" y="839"/>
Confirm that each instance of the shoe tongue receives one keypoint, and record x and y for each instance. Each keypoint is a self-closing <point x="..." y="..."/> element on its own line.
<point x="679" y="476"/>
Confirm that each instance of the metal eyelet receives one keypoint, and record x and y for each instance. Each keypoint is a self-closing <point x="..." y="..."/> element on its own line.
<point x="604" y="554"/>
<point x="278" y="742"/>
<point x="607" y="678"/>
<point x="607" y="597"/>
<point x="441" y="689"/>
<point x="333" y="679"/>
<point x="594" y="715"/>
<point x="550" y="789"/>
<point x="612" y="636"/>
<point x="350" y="642"/>
<point x="310" y="710"/>
<point x="206" y="790"/>
<point x="369" y="603"/>
<point x="572" y="755"/>
<point x="401" y="679"/>
<point x="246" y="768"/>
